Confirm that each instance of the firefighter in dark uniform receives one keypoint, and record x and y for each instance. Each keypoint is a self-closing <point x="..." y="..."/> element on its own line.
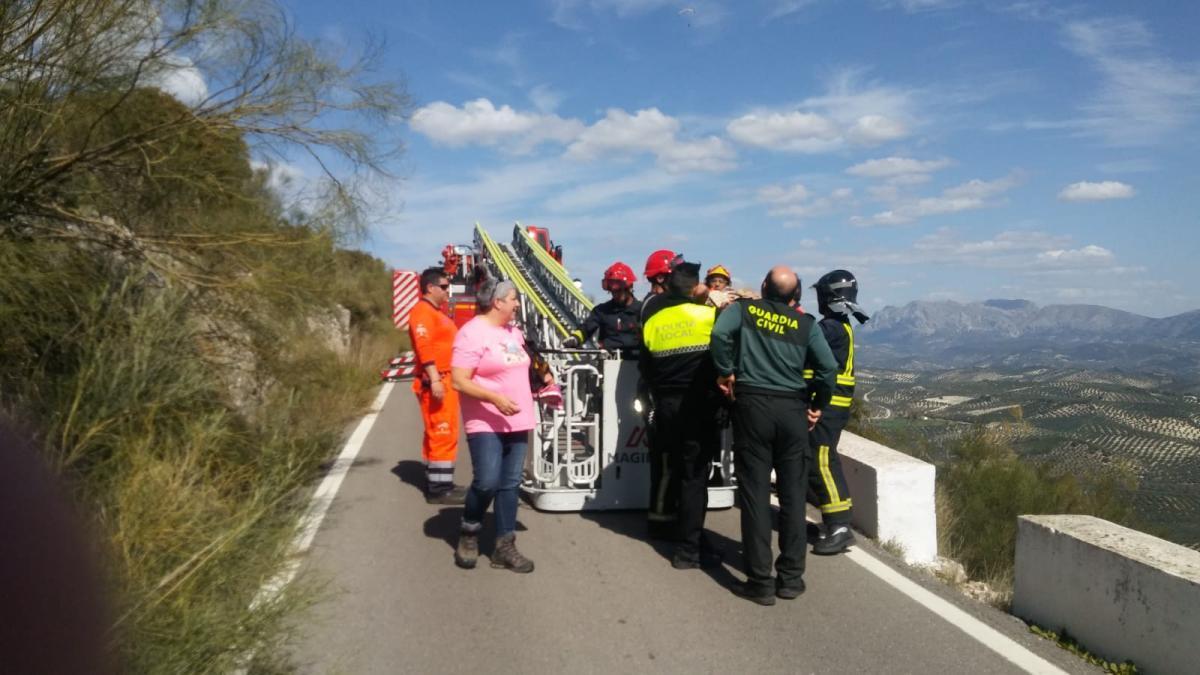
<point x="760" y="348"/>
<point x="837" y="295"/>
<point x="676" y="366"/>
<point x="662" y="512"/>
<point x="618" y="321"/>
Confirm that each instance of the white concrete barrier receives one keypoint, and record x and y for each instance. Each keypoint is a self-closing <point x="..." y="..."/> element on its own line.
<point x="893" y="496"/>
<point x="1124" y="594"/>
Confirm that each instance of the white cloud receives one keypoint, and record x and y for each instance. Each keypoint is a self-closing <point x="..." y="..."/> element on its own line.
<point x="984" y="189"/>
<point x="890" y="167"/>
<point x="847" y="113"/>
<point x="794" y="132"/>
<point x="974" y="194"/>
<point x="793" y="202"/>
<point x="651" y="131"/>
<point x="783" y="194"/>
<point x="876" y="129"/>
<point x="571" y="13"/>
<point x="1085" y="191"/>
<point x="181" y="78"/>
<point x="1086" y="257"/>
<point x="603" y="193"/>
<point x="284" y="178"/>
<point x="480" y="122"/>
<point x="545" y="99"/>
<point x="782" y="8"/>
<point x="1144" y="96"/>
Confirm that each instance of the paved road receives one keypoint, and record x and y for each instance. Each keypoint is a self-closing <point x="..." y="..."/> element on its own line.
<point x="601" y="600"/>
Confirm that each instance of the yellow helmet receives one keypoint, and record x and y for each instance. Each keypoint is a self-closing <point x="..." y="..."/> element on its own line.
<point x="718" y="271"/>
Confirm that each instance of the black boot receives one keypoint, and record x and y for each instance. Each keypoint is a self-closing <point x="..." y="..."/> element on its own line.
<point x="838" y="539"/>
<point x="455" y="496"/>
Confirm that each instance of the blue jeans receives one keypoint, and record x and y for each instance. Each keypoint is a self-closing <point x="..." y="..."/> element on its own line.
<point x="498" y="459"/>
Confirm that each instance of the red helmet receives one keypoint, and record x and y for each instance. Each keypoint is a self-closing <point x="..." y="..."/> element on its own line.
<point x="659" y="263"/>
<point x="619" y="272"/>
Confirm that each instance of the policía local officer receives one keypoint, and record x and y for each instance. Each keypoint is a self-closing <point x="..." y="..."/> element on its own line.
<point x="675" y="364"/>
<point x="760" y="349"/>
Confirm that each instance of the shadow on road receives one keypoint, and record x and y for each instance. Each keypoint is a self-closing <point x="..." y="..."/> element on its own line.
<point x="411" y="472"/>
<point x="632" y="524"/>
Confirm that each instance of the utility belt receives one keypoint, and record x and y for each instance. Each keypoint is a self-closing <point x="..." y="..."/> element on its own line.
<point x="750" y="390"/>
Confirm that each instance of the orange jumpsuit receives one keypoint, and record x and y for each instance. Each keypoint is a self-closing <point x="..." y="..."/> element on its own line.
<point x="432" y="335"/>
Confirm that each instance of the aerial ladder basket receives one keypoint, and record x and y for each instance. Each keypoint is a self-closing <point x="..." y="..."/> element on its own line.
<point x="592" y="452"/>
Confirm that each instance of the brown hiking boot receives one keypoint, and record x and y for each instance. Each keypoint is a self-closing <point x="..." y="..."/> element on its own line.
<point x="507" y="555"/>
<point x="467" y="552"/>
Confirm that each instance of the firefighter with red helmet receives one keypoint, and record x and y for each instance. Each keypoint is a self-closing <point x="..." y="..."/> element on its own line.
<point x="658" y="269"/>
<point x="616" y="323"/>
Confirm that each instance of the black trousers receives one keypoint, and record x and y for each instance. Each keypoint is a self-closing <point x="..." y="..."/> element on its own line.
<point x="771" y="432"/>
<point x="686" y="439"/>
<point x="827" y="487"/>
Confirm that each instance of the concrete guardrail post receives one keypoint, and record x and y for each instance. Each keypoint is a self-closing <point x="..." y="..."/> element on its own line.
<point x="893" y="496"/>
<point x="1124" y="594"/>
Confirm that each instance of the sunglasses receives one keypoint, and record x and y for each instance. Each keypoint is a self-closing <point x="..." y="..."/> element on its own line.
<point x="444" y="286"/>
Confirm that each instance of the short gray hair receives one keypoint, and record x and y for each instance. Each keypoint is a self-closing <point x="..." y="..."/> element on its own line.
<point x="492" y="290"/>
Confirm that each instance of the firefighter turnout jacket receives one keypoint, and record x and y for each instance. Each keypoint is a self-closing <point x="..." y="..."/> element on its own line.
<point x="769" y="345"/>
<point x="619" y="326"/>
<point x="840" y="336"/>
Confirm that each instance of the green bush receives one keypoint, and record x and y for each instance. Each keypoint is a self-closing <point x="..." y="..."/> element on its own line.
<point x="985" y="486"/>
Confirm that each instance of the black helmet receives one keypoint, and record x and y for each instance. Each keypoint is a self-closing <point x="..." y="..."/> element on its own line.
<point x="837" y="295"/>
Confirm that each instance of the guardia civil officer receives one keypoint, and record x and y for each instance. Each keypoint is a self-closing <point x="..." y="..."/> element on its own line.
<point x="760" y="348"/>
<point x="837" y="297"/>
<point x="676" y="366"/>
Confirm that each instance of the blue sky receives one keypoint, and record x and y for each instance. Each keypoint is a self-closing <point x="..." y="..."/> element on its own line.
<point x="939" y="150"/>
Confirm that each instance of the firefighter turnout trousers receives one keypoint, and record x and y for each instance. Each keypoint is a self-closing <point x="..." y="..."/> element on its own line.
<point x="687" y="438"/>
<point x="827" y="487"/>
<point x="771" y="432"/>
<point x="439" y="445"/>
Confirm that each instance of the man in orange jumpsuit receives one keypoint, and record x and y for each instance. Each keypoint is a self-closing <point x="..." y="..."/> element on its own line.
<point x="432" y="335"/>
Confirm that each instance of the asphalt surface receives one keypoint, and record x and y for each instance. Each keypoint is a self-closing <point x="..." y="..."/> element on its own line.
<point x="602" y="598"/>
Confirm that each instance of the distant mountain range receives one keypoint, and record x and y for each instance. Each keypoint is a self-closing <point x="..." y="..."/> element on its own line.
<point x="1017" y="333"/>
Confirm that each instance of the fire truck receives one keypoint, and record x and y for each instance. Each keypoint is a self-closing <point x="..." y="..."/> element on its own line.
<point x="591" y="453"/>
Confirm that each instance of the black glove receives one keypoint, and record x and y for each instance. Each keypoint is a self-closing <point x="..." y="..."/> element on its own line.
<point x="571" y="342"/>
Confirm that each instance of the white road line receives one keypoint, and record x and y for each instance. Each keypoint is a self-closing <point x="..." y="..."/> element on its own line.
<point x="985" y="634"/>
<point x="322" y="499"/>
<point x="318" y="507"/>
<point x="980" y="631"/>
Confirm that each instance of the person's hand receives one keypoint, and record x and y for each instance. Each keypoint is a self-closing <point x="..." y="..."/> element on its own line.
<point x="505" y="405"/>
<point x="571" y="342"/>
<point x="814" y="416"/>
<point x="438" y="389"/>
<point x="725" y="384"/>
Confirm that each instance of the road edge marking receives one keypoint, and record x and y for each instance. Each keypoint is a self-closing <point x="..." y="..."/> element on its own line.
<point x="998" y="642"/>
<point x="318" y="507"/>
<point x="989" y="637"/>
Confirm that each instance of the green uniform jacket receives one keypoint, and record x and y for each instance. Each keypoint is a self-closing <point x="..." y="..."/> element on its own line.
<point x="769" y="345"/>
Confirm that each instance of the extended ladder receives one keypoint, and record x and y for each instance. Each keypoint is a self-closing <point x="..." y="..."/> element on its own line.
<point x="592" y="453"/>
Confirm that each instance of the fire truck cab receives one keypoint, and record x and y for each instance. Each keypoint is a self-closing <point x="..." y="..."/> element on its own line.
<point x="460" y="265"/>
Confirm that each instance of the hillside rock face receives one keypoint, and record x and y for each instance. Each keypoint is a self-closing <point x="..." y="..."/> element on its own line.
<point x="1018" y="332"/>
<point x="1016" y="318"/>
